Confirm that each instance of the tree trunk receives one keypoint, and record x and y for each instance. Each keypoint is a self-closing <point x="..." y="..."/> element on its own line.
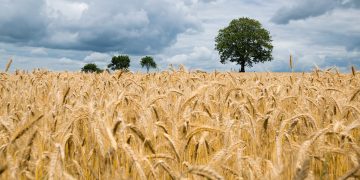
<point x="242" y="66"/>
<point x="147" y="68"/>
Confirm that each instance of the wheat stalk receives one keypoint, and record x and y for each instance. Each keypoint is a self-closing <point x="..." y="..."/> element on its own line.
<point x="22" y="130"/>
<point x="353" y="71"/>
<point x="27" y="154"/>
<point x="8" y="65"/>
<point x="355" y="95"/>
<point x="166" y="167"/>
<point x="291" y="63"/>
<point x="172" y="145"/>
<point x="350" y="173"/>
<point x="134" y="158"/>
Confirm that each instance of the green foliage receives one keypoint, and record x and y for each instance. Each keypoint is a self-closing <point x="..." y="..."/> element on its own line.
<point x="121" y="62"/>
<point x="245" y="42"/>
<point x="148" y="62"/>
<point x="91" y="68"/>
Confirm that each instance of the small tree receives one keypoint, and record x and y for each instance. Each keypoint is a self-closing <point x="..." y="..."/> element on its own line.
<point x="245" y="42"/>
<point x="120" y="62"/>
<point x="91" y="68"/>
<point x="148" y="62"/>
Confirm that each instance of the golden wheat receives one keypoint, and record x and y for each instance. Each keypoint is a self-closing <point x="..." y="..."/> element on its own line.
<point x="178" y="124"/>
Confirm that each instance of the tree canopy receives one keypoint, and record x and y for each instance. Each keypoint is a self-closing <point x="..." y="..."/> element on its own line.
<point x="121" y="62"/>
<point x="245" y="42"/>
<point x="148" y="62"/>
<point x="91" y="68"/>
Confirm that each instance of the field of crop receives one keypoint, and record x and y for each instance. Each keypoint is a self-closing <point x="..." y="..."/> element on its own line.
<point x="179" y="125"/>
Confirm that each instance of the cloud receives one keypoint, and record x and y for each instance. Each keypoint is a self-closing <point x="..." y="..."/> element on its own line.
<point x="75" y="32"/>
<point x="134" y="27"/>
<point x="344" y="62"/>
<point x="39" y="51"/>
<point x="97" y="57"/>
<point x="340" y="28"/>
<point x="21" y="21"/>
<point x="200" y="57"/>
<point x="69" y="10"/>
<point x="309" y="8"/>
<point x="53" y="64"/>
<point x="68" y="61"/>
<point x="178" y="59"/>
<point x="197" y="54"/>
<point x="207" y="1"/>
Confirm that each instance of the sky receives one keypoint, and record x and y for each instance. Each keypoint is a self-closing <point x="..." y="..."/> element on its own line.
<point x="64" y="35"/>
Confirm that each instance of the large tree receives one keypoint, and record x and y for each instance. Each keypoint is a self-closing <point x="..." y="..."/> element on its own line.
<point x="148" y="62"/>
<point x="90" y="68"/>
<point x="245" y="42"/>
<point x="121" y="62"/>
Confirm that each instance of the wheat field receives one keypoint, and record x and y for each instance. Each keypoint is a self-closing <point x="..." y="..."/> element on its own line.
<point x="179" y="125"/>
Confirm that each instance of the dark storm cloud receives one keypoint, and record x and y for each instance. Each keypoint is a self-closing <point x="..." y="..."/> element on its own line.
<point x="65" y="34"/>
<point x="350" y="41"/>
<point x="310" y="8"/>
<point x="21" y="21"/>
<point x="135" y="27"/>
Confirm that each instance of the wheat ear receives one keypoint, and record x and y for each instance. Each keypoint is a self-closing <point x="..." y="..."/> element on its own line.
<point x="205" y="171"/>
<point x="172" y="144"/>
<point x="166" y="167"/>
<point x="22" y="131"/>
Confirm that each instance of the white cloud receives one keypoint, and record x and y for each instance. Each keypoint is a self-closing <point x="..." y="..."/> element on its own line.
<point x="200" y="57"/>
<point x="67" y="9"/>
<point x="197" y="54"/>
<point x="63" y="38"/>
<point x="68" y="61"/>
<point x="178" y="59"/>
<point x="97" y="57"/>
<point x="39" y="51"/>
